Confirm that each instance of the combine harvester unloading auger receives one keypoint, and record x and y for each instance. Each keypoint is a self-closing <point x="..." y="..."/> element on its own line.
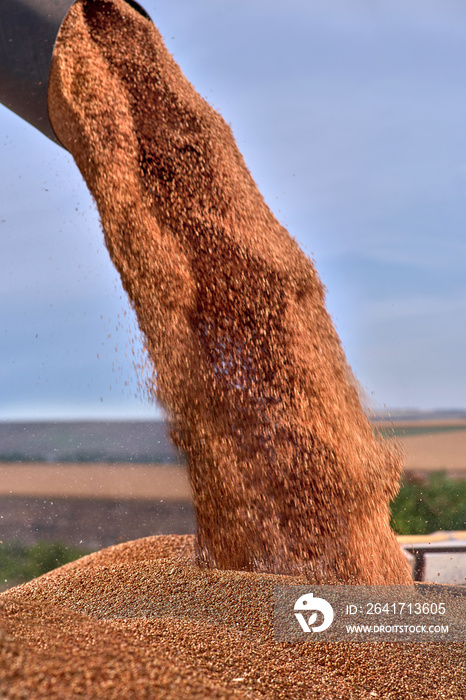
<point x="28" y="31"/>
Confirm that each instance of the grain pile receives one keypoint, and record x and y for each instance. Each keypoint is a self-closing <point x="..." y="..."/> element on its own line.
<point x="286" y="473"/>
<point x="141" y="620"/>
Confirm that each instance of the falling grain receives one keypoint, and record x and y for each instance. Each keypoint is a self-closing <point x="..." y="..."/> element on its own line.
<point x="287" y="476"/>
<point x="286" y="473"/>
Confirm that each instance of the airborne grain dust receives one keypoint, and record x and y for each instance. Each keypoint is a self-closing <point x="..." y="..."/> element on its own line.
<point x="287" y="475"/>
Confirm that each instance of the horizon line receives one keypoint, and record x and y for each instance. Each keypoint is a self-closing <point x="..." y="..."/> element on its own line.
<point x="158" y="417"/>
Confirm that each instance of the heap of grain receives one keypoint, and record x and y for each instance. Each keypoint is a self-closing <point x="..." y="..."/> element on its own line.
<point x="140" y="620"/>
<point x="287" y="475"/>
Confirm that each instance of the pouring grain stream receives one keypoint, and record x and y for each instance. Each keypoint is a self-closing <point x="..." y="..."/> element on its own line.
<point x="286" y="473"/>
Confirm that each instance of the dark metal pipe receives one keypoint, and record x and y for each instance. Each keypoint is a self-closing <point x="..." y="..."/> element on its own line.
<point x="28" y="30"/>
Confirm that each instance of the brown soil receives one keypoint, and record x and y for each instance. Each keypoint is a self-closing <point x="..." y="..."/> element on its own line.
<point x="141" y="620"/>
<point x="115" y="481"/>
<point x="436" y="452"/>
<point x="89" y="523"/>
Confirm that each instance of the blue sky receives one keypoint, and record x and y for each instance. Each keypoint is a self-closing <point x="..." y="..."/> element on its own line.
<point x="352" y="118"/>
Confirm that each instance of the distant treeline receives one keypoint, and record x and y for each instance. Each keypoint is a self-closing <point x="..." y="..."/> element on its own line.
<point x="90" y="441"/>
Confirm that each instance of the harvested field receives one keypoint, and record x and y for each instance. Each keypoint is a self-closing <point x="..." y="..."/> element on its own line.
<point x="113" y="481"/>
<point x="101" y="504"/>
<point x="429" y="446"/>
<point x="442" y="451"/>
<point x="96" y="505"/>
<point x="91" y="523"/>
<point x="433" y="445"/>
